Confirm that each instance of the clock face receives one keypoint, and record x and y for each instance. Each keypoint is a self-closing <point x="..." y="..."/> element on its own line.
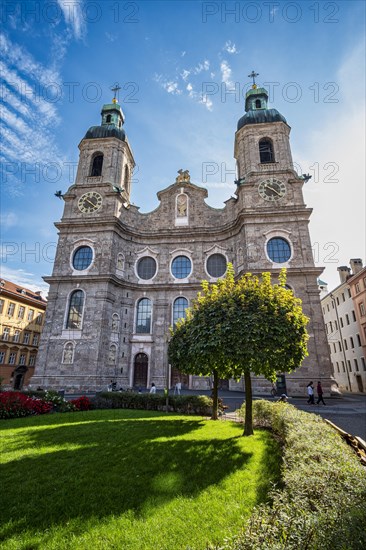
<point x="271" y="189"/>
<point x="90" y="202"/>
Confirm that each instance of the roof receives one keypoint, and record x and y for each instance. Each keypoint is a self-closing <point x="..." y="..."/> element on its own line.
<point x="260" y="116"/>
<point x="105" y="131"/>
<point x="22" y="293"/>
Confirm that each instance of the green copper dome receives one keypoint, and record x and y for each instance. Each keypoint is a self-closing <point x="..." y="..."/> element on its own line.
<point x="112" y="121"/>
<point x="106" y="131"/>
<point x="257" y="111"/>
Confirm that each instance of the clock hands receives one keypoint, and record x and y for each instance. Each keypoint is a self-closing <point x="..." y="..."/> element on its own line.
<point x="272" y="189"/>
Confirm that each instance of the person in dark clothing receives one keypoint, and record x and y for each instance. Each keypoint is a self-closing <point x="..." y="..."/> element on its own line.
<point x="319" y="391"/>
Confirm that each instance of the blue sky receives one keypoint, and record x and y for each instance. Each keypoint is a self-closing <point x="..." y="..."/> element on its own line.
<point x="183" y="70"/>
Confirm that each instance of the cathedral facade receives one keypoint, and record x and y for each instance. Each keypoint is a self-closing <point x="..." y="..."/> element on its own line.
<point x="122" y="278"/>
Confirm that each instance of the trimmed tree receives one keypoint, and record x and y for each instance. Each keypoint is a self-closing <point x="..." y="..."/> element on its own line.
<point x="236" y="328"/>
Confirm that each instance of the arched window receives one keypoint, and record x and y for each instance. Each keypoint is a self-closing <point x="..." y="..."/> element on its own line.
<point x="108" y="119"/>
<point x="126" y="179"/>
<point x="258" y="104"/>
<point x="115" y="322"/>
<point x="68" y="353"/>
<point x="179" y="309"/>
<point x="97" y="165"/>
<point x="143" y="316"/>
<point x="141" y="364"/>
<point x="266" y="151"/>
<point x="75" y="311"/>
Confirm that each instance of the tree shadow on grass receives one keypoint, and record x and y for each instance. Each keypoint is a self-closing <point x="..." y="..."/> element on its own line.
<point x="111" y="467"/>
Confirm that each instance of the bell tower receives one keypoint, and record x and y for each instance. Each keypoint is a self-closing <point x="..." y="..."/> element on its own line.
<point x="105" y="153"/>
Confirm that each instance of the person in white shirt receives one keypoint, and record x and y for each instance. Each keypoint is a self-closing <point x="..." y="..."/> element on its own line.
<point x="153" y="388"/>
<point x="310" y="390"/>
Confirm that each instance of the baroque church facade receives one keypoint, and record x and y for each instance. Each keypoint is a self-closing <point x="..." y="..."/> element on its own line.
<point x="122" y="278"/>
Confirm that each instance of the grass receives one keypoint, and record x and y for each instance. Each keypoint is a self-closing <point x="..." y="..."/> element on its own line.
<point x="127" y="479"/>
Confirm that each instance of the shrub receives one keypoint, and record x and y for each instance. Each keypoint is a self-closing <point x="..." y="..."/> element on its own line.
<point x="82" y="403"/>
<point x="185" y="404"/>
<point x="16" y="404"/>
<point x="321" y="505"/>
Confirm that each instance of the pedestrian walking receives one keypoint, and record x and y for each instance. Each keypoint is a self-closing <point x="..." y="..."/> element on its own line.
<point x="319" y="391"/>
<point x="177" y="388"/>
<point x="310" y="390"/>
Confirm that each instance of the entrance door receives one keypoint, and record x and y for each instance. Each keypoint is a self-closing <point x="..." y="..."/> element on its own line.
<point x="140" y="370"/>
<point x="359" y="383"/>
<point x="18" y="381"/>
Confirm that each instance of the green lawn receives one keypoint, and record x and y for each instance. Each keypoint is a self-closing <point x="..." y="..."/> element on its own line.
<point x="128" y="480"/>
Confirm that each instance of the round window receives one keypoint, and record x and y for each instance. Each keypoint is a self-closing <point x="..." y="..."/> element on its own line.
<point x="278" y="250"/>
<point x="83" y="257"/>
<point x="181" y="267"/>
<point x="146" y="268"/>
<point x="216" y="265"/>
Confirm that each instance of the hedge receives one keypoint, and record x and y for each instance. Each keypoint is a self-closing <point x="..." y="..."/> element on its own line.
<point x="184" y="404"/>
<point x="321" y="504"/>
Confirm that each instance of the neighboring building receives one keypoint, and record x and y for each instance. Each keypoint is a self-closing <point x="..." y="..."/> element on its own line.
<point x="122" y="278"/>
<point x="345" y="320"/>
<point x="22" y="316"/>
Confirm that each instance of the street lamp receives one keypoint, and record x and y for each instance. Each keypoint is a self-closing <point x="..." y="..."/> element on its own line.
<point x="167" y="381"/>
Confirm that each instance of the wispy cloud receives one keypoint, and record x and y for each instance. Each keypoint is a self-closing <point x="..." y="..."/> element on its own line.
<point x="72" y="10"/>
<point x="230" y="47"/>
<point x="170" y="86"/>
<point x="24" y="278"/>
<point x="8" y="220"/>
<point x="226" y="74"/>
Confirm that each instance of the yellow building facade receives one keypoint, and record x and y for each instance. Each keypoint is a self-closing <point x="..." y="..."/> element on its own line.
<point x="22" y="315"/>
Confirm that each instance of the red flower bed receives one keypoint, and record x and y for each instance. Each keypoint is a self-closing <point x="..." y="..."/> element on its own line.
<point x="16" y="404"/>
<point x="82" y="403"/>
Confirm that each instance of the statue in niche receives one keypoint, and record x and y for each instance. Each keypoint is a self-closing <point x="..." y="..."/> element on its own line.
<point x="120" y="262"/>
<point x="115" y="323"/>
<point x="68" y="354"/>
<point x="182" y="206"/>
<point x="112" y="355"/>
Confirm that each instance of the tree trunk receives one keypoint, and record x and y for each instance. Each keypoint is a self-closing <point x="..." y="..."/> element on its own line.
<point x="214" y="396"/>
<point x="248" y="428"/>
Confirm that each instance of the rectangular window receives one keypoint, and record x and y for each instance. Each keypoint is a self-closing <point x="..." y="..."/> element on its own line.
<point x="11" y="308"/>
<point x="16" y="336"/>
<point x="349" y="293"/>
<point x="335" y="325"/>
<point x="2" y="357"/>
<point x="330" y="326"/>
<point x="343" y="297"/>
<point x="340" y="346"/>
<point x="358" y="288"/>
<point x="353" y="315"/>
<point x="349" y="365"/>
<point x="2" y="302"/>
<point x="334" y="348"/>
<point x="364" y="282"/>
<point x="328" y="307"/>
<point x="26" y="338"/>
<point x="30" y="315"/>
<point x="356" y="364"/>
<point x="362" y="309"/>
<point x="332" y="304"/>
<point x="341" y="321"/>
<point x="32" y="360"/>
<point x="347" y="318"/>
<point x="352" y="342"/>
<point x="21" y="311"/>
<point x="6" y="333"/>
<point x="338" y="367"/>
<point x="363" y="363"/>
<point x="343" y="367"/>
<point x="337" y="301"/>
<point x="345" y="344"/>
<point x="12" y="358"/>
<point x="39" y="319"/>
<point x="358" y="340"/>
<point x="22" y="360"/>
<point x="35" y="340"/>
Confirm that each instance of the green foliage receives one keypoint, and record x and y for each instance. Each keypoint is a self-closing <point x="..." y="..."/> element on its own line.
<point x="322" y="504"/>
<point x="241" y="327"/>
<point x="185" y="404"/>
